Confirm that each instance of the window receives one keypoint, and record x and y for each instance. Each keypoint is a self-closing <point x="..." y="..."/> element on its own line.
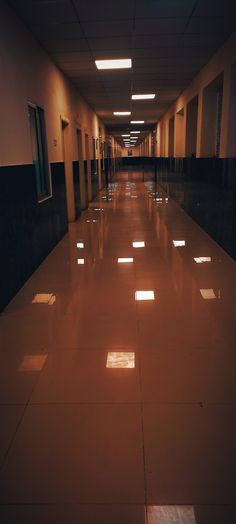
<point x="39" y="151"/>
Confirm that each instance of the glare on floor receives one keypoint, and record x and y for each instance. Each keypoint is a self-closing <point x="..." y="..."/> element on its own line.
<point x="44" y="298"/>
<point x="201" y="260"/>
<point x="171" y="515"/>
<point x="144" y="295"/>
<point x="208" y="294"/>
<point x="80" y="261"/>
<point x="80" y="245"/>
<point x="139" y="244"/>
<point x="179" y="243"/>
<point x="120" y="359"/>
<point x="33" y="363"/>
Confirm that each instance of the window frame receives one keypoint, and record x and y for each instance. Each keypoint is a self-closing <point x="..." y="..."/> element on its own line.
<point x="42" y="150"/>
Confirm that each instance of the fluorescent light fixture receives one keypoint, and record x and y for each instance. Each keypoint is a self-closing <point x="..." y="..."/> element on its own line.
<point x="207" y="294"/>
<point x="44" y="298"/>
<point x="134" y="137"/>
<point x="144" y="295"/>
<point x="33" y="362"/>
<point x="126" y="135"/>
<point x="120" y="359"/>
<point x="143" y="97"/>
<point x="125" y="260"/>
<point x="179" y="243"/>
<point x="121" y="113"/>
<point x="201" y="260"/>
<point x="135" y="132"/>
<point x="139" y="244"/>
<point x="80" y="261"/>
<point x="137" y="122"/>
<point x="171" y="515"/>
<point x="80" y="245"/>
<point x="120" y="63"/>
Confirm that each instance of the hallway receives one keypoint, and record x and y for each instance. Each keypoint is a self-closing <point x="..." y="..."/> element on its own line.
<point x="115" y="409"/>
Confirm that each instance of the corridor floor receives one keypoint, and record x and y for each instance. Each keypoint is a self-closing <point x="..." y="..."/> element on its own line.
<point x="116" y="410"/>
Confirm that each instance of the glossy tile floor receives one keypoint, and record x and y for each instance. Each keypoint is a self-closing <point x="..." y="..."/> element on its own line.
<point x="119" y="406"/>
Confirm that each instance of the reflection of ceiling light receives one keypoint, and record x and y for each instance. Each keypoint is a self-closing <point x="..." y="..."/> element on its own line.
<point x="125" y="260"/>
<point x="120" y="359"/>
<point x="33" y="362"/>
<point x="144" y="295"/>
<point x="124" y="63"/>
<point x="139" y="244"/>
<point x="80" y="261"/>
<point x="80" y="245"/>
<point x="121" y="113"/>
<point x="178" y="243"/>
<point x="171" y="515"/>
<point x="207" y="294"/>
<point x="137" y="122"/>
<point x="133" y="132"/>
<point x="44" y="298"/>
<point x="125" y="135"/>
<point x="143" y="97"/>
<point x="201" y="260"/>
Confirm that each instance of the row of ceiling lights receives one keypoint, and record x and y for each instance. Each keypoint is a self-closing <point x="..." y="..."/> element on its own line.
<point x="124" y="63"/>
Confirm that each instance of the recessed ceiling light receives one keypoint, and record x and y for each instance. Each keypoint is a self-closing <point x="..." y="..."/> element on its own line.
<point x="125" y="135"/>
<point x="80" y="245"/>
<point x="144" y="295"/>
<point x="125" y="260"/>
<point x="134" y="137"/>
<point x="143" y="97"/>
<point x="80" y="261"/>
<point x="174" y="514"/>
<point x="139" y="244"/>
<point x="135" y="132"/>
<point x="137" y="122"/>
<point x="120" y="63"/>
<point x="121" y="113"/>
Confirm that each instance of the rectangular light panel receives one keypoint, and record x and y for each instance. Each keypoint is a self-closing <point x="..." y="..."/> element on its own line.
<point x="139" y="244"/>
<point x="121" y="113"/>
<point x="120" y="359"/>
<point x="80" y="261"/>
<point x="135" y="132"/>
<point x="121" y="63"/>
<point x="144" y="295"/>
<point x="137" y="122"/>
<point x="80" y="245"/>
<point x="143" y="97"/>
<point x="126" y="260"/>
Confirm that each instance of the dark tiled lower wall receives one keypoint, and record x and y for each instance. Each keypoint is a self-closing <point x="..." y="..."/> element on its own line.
<point x="76" y="188"/>
<point x="28" y="230"/>
<point x="206" y="189"/>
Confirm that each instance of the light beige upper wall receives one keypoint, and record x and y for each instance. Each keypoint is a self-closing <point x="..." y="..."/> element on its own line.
<point x="221" y="62"/>
<point x="28" y="74"/>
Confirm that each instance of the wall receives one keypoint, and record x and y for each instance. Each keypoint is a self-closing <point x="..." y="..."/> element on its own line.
<point x="221" y="64"/>
<point x="29" y="230"/>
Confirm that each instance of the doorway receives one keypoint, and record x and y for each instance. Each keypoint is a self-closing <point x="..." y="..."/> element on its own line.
<point x="88" y="170"/>
<point x="82" y="174"/>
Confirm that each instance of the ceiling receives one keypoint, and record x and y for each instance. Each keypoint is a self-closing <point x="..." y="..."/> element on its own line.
<point x="169" y="41"/>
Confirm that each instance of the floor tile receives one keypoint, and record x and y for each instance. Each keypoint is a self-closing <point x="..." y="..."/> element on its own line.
<point x="76" y="453"/>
